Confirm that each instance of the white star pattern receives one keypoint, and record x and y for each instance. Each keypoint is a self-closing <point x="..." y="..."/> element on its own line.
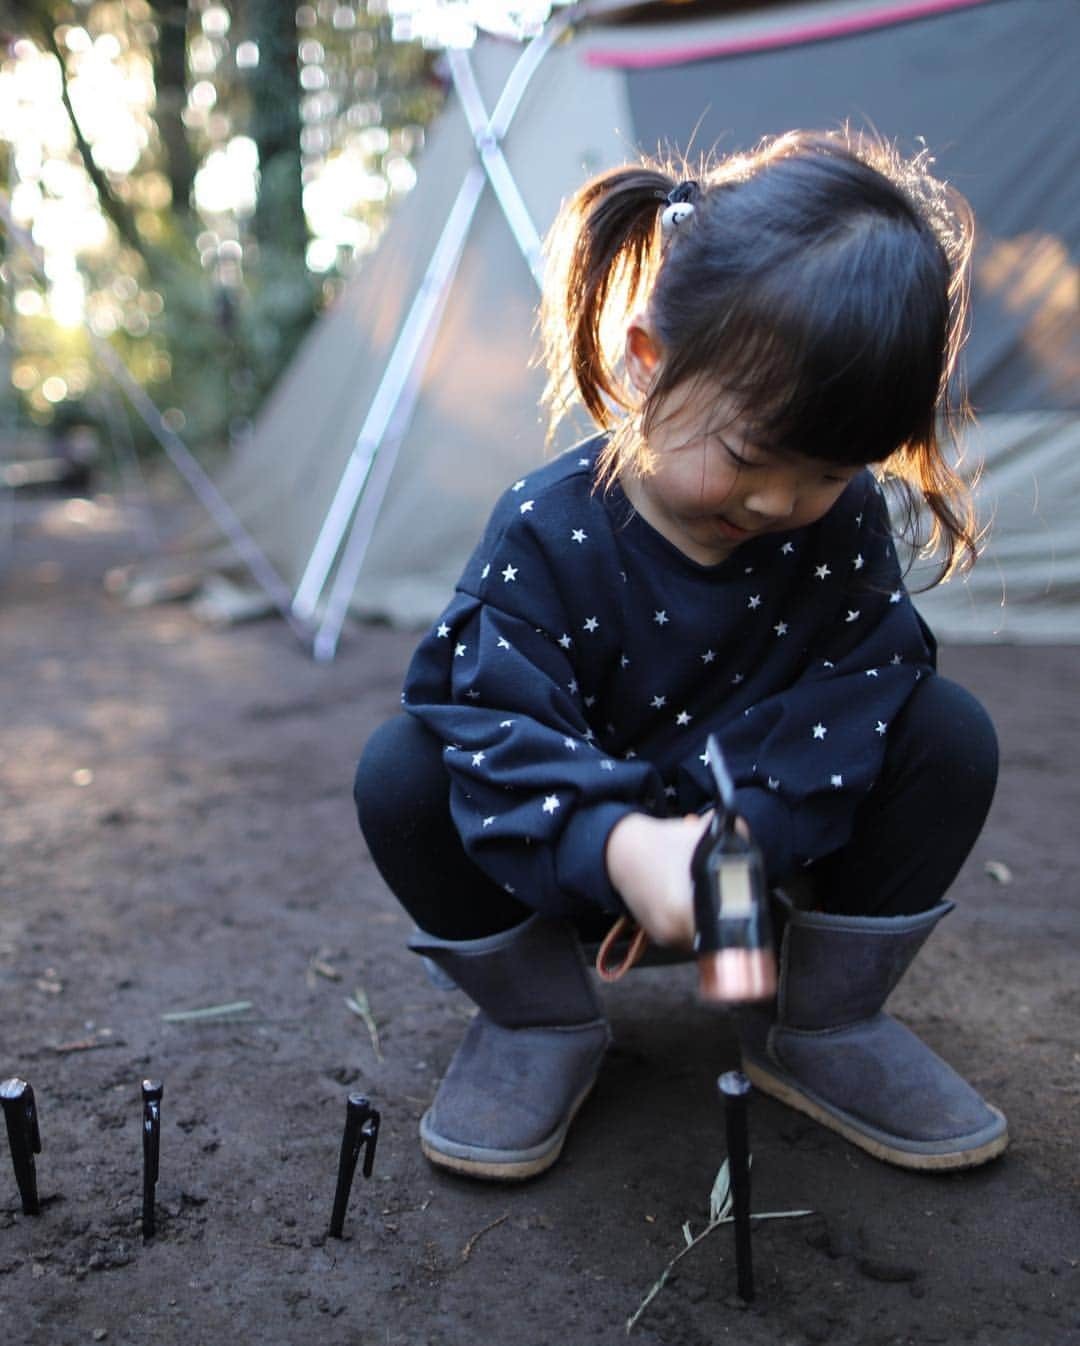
<point x="774" y="784"/>
<point x="658" y="701"/>
<point x="755" y="601"/>
<point x="822" y="572"/>
<point x="787" y="549"/>
<point x="896" y="596"/>
<point x="459" y="651"/>
<point x="551" y="803"/>
<point x="485" y="572"/>
<point x="683" y="717"/>
<point x="590" y="701"/>
<point x="708" y="656"/>
<point x="660" y="618"/>
<point x="509" y="574"/>
<point x="871" y="673"/>
<point x="857" y="561"/>
<point x="836" y="781"/>
<point x="607" y="764"/>
<point x="880" y="727"/>
<point x="487" y="822"/>
<point x="443" y="631"/>
<point x="526" y="506"/>
<point x="737" y="678"/>
<point x="819" y="731"/>
<point x="569" y="743"/>
<point x="571" y="686"/>
<point x="565" y="641"/>
<point x="473" y="694"/>
<point x="624" y="662"/>
<point x="590" y="624"/>
<point x="502" y="643"/>
<point x="578" y="535"/>
<point x="896" y="659"/>
<point x="505" y="724"/>
<point x="518" y="485"/>
<point x="477" y="758"/>
<point x="781" y="628"/>
<point x="853" y="615"/>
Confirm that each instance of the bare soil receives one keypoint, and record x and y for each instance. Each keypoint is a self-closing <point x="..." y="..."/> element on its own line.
<point x="178" y="834"/>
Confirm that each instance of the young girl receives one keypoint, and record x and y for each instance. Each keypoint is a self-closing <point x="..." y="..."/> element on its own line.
<point x="717" y="560"/>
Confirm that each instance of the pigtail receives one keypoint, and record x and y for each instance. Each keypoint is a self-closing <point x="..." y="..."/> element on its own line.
<point x="601" y="255"/>
<point x="939" y="508"/>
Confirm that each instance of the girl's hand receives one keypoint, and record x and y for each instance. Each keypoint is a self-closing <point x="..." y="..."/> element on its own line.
<point x="648" y="862"/>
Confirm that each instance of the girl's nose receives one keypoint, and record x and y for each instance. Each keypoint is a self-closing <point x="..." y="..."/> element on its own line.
<point x="773" y="498"/>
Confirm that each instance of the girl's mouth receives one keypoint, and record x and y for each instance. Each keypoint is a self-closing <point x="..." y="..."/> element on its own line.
<point x="732" y="531"/>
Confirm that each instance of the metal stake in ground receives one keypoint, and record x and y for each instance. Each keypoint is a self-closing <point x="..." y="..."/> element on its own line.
<point x="734" y="1086"/>
<point x="151" y="1149"/>
<point x="24" y="1137"/>
<point x="361" y="1133"/>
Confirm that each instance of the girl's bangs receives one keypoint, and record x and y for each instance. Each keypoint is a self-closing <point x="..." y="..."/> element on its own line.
<point x="827" y="375"/>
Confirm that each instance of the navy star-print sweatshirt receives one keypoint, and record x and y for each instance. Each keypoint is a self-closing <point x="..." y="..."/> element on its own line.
<point x="583" y="661"/>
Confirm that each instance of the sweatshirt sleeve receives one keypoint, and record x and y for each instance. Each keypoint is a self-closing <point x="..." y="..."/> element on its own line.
<point x="805" y="757"/>
<point x="532" y="794"/>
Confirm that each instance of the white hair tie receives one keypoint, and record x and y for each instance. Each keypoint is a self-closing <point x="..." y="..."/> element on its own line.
<point x="674" y="215"/>
<point x="680" y="205"/>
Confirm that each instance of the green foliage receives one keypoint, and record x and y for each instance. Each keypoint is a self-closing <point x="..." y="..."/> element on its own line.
<point x="205" y="304"/>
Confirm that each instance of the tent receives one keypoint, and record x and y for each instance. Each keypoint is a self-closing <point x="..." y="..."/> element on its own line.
<point x="414" y="400"/>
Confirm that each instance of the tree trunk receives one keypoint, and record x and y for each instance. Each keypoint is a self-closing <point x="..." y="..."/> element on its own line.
<point x="170" y="80"/>
<point x="275" y="114"/>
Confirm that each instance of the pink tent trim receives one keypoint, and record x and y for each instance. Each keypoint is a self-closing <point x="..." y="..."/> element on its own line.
<point x="839" y="26"/>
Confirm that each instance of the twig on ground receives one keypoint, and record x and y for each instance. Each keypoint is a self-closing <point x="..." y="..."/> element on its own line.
<point x="87" y="1044"/>
<point x="720" y="1212"/>
<point x="466" y="1252"/>
<point x="358" y="1003"/>
<point x="235" y="1007"/>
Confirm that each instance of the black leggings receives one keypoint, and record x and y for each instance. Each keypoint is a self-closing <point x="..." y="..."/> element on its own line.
<point x="911" y="835"/>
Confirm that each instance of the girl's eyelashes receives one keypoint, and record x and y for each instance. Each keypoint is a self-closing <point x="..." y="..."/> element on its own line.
<point x="736" y="457"/>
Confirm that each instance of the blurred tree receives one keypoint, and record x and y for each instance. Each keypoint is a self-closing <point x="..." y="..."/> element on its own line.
<point x="245" y="154"/>
<point x="169" y="56"/>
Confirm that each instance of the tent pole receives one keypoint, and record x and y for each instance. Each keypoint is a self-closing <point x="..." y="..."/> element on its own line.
<point x="384" y="450"/>
<point x="495" y="165"/>
<point x="400" y="380"/>
<point x="412" y="340"/>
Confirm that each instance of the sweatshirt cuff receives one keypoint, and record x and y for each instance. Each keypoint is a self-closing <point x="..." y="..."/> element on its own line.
<point x="581" y="866"/>
<point x="769" y="821"/>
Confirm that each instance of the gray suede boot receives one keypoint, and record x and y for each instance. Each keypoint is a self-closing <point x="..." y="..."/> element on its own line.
<point x="528" y="1059"/>
<point x="832" y="1053"/>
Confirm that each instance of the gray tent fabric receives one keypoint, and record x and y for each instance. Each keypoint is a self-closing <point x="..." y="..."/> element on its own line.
<point x="990" y="87"/>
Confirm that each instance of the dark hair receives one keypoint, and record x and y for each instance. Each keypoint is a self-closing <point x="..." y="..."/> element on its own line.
<point x="821" y="282"/>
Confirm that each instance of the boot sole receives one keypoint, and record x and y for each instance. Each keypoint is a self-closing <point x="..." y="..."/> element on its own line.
<point x="476" y="1162"/>
<point x="922" y="1160"/>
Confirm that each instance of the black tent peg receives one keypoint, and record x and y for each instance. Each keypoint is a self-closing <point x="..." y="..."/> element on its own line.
<point x="361" y="1133"/>
<point x="20" y="1114"/>
<point x="152" y="1091"/>
<point x="735" y="1088"/>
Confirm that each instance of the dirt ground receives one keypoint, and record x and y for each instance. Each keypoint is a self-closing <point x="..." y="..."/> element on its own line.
<point x="178" y="834"/>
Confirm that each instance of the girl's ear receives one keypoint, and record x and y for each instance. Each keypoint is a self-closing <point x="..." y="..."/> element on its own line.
<point x="643" y="355"/>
